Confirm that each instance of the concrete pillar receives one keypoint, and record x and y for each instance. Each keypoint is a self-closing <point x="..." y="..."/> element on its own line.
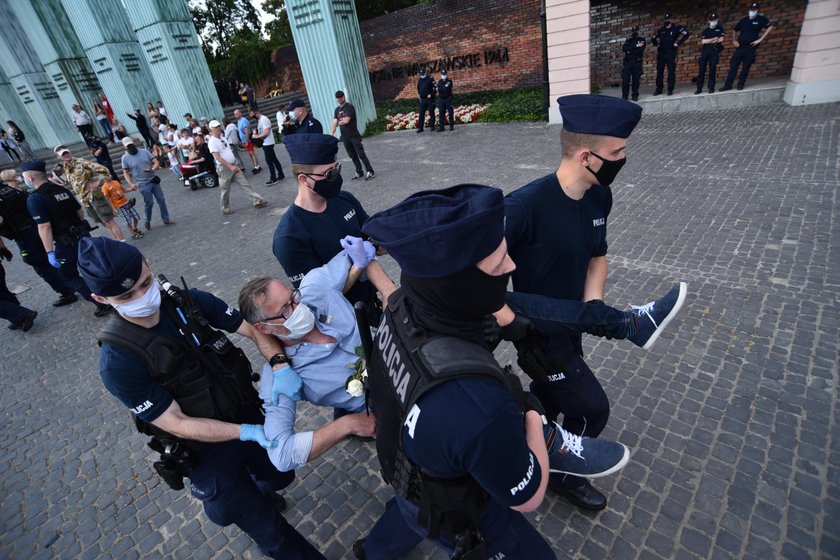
<point x="36" y="91"/>
<point x="815" y="77"/>
<point x="114" y="54"/>
<point x="329" y="47"/>
<point x="11" y="109"/>
<point x="175" y="58"/>
<point x="567" y="34"/>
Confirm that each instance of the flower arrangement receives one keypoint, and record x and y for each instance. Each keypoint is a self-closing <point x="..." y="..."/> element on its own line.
<point x="406" y="121"/>
<point x="356" y="384"/>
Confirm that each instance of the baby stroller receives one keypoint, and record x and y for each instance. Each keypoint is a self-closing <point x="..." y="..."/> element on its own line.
<point x="194" y="177"/>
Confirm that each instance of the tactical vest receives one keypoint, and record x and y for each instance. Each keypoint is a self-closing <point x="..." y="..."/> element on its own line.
<point x="406" y="363"/>
<point x="64" y="216"/>
<point x="15" y="214"/>
<point x="206" y="374"/>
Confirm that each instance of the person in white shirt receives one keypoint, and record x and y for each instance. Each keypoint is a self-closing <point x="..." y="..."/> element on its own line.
<point x="228" y="171"/>
<point x="265" y="134"/>
<point x="281" y="117"/>
<point x="231" y="134"/>
<point x="185" y="144"/>
<point x="82" y="120"/>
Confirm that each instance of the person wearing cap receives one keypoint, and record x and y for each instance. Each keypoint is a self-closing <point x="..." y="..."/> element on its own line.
<point x="199" y="405"/>
<point x="634" y="53"/>
<point x="139" y="164"/>
<point x="751" y="31"/>
<point x="426" y="93"/>
<point x="301" y="120"/>
<point x="556" y="232"/>
<point x="61" y="225"/>
<point x="265" y="134"/>
<point x="345" y="119"/>
<point x="465" y="447"/>
<point x="229" y="172"/>
<point x="444" y="89"/>
<point x="310" y="231"/>
<point x="86" y="179"/>
<point x="668" y="39"/>
<point x="243" y="125"/>
<point x="711" y="41"/>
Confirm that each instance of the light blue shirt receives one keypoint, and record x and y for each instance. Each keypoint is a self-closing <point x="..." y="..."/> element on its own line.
<point x="241" y="125"/>
<point x="323" y="368"/>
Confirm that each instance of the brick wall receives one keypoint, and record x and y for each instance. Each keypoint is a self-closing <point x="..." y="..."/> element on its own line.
<point x="611" y="23"/>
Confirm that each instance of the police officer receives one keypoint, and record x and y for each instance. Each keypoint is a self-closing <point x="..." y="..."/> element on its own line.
<point x="426" y="93"/>
<point x="17" y="224"/>
<point x="444" y="89"/>
<point x="465" y="448"/>
<point x="190" y="389"/>
<point x="61" y="225"/>
<point x="712" y="43"/>
<point x="751" y="30"/>
<point x="668" y="38"/>
<point x="634" y="52"/>
<point x="301" y="120"/>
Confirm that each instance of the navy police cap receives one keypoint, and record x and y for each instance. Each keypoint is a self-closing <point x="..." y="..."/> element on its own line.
<point x="33" y="165"/>
<point x="432" y="234"/>
<point x="600" y="115"/>
<point x="311" y="149"/>
<point x="295" y="104"/>
<point x="109" y="267"/>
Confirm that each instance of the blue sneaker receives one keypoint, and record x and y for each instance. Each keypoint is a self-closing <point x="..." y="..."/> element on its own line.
<point x="652" y="318"/>
<point x="583" y="456"/>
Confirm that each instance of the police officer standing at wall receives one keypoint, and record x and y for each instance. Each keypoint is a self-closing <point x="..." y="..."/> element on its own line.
<point x="61" y="225"/>
<point x="712" y="43"/>
<point x="426" y="92"/>
<point x="634" y="53"/>
<point x="466" y="449"/>
<point x="190" y="389"/>
<point x="668" y="38"/>
<point x="751" y="30"/>
<point x="444" y="89"/>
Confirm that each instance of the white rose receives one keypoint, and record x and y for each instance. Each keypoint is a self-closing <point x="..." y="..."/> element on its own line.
<point x="355" y="388"/>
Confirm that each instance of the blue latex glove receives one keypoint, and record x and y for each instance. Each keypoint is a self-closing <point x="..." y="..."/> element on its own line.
<point x="53" y="260"/>
<point x="360" y="252"/>
<point x="286" y="381"/>
<point x="255" y="432"/>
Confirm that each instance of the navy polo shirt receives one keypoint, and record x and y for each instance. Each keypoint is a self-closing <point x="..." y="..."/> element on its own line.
<point x="128" y="379"/>
<point x="552" y="238"/>
<point x="305" y="240"/>
<point x="43" y="207"/>
<point x="487" y="442"/>
<point x="750" y="29"/>
<point x="710" y="33"/>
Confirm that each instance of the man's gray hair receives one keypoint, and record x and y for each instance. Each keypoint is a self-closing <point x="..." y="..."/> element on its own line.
<point x="253" y="290"/>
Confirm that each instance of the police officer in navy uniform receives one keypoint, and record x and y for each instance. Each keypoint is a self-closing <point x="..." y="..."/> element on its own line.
<point x="300" y="120"/>
<point x="466" y="449"/>
<point x="751" y="31"/>
<point x="668" y="39"/>
<point x="444" y="89"/>
<point x="17" y="224"/>
<point x="426" y="92"/>
<point x="61" y="225"/>
<point x="190" y="389"/>
<point x="712" y="43"/>
<point x="634" y="52"/>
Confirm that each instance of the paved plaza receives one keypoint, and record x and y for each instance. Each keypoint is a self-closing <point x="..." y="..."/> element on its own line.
<point x="732" y="416"/>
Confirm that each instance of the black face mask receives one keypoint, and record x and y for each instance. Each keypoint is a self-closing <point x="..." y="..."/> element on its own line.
<point x="328" y="188"/>
<point x="609" y="169"/>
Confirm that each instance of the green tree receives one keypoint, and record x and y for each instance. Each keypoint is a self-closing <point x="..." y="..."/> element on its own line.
<point x="279" y="31"/>
<point x="223" y="23"/>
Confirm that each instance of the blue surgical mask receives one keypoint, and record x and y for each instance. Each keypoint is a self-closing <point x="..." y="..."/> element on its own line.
<point x="712" y="24"/>
<point x="753" y="13"/>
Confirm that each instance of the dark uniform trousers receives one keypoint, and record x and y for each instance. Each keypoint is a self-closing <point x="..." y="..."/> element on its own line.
<point x="356" y="151"/>
<point x="445" y="106"/>
<point x="742" y="55"/>
<point x="666" y="58"/>
<point x="632" y="70"/>
<point x="274" y="167"/>
<point x="235" y="481"/>
<point x="506" y="532"/>
<point x="67" y="253"/>
<point x="427" y="105"/>
<point x="32" y="252"/>
<point x="10" y="307"/>
<point x="708" y="57"/>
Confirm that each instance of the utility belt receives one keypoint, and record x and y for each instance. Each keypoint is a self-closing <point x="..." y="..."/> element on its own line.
<point x="74" y="233"/>
<point x="632" y="60"/>
<point x="177" y="456"/>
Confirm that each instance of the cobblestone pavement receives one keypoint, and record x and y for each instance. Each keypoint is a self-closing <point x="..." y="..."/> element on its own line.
<point x="732" y="416"/>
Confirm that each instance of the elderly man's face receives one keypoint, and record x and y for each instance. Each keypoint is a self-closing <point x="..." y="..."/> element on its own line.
<point x="277" y="305"/>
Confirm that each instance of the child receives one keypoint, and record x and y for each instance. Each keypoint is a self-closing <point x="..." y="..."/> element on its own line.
<point x="115" y="193"/>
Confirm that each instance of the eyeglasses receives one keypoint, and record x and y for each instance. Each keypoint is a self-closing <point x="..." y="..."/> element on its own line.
<point x="285" y="312"/>
<point x="329" y="175"/>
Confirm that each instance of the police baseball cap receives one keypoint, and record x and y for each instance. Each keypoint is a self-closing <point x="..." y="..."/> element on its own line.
<point x="461" y="225"/>
<point x="109" y="267"/>
<point x="754" y="5"/>
<point x="60" y="150"/>
<point x="713" y="16"/>
<point x="295" y="104"/>
<point x="339" y="94"/>
<point x="33" y="165"/>
<point x="668" y="15"/>
<point x="311" y="149"/>
<point x="214" y="124"/>
<point x="635" y="29"/>
<point x="443" y="72"/>
<point x="600" y="115"/>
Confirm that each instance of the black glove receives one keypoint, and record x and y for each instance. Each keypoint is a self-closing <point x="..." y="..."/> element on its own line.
<point x="599" y="330"/>
<point x="6" y="254"/>
<point x="490" y="333"/>
<point x="526" y="400"/>
<point x="518" y="329"/>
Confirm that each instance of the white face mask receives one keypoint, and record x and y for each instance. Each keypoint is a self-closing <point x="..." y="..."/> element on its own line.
<point x="144" y="306"/>
<point x="299" y="323"/>
<point x="753" y="14"/>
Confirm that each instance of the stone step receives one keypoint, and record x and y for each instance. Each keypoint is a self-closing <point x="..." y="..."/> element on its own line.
<point x="269" y="105"/>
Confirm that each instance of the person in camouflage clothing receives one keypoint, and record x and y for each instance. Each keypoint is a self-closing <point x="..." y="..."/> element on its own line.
<point x="86" y="178"/>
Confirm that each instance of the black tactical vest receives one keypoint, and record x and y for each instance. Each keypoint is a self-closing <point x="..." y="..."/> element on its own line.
<point x="15" y="214"/>
<point x="64" y="216"/>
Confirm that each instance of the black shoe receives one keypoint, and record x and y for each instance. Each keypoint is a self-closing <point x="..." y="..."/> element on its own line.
<point x="256" y="170"/>
<point x="624" y="97"/>
<point x="657" y="92"/>
<point x="270" y="182"/>
<point x="711" y="90"/>
<point x="451" y="128"/>
<point x="356" y="176"/>
<point x="28" y="320"/>
<point x="585" y="496"/>
<point x="419" y="130"/>
<point x="279" y="502"/>
<point x="725" y="88"/>
<point x="670" y="92"/>
<point x="14" y="327"/>
<point x="102" y="310"/>
<point x="635" y="98"/>
<point x="439" y="129"/>
<point x="359" y="549"/>
<point x="698" y="92"/>
<point x="65" y="299"/>
<point x="740" y="88"/>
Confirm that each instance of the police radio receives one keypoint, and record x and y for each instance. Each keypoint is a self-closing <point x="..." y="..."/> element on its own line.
<point x="191" y="323"/>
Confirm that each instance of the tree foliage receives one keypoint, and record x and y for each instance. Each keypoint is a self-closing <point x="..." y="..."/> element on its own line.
<point x="221" y="24"/>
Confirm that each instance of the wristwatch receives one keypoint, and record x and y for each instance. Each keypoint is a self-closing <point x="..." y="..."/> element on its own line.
<point x="278" y="359"/>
